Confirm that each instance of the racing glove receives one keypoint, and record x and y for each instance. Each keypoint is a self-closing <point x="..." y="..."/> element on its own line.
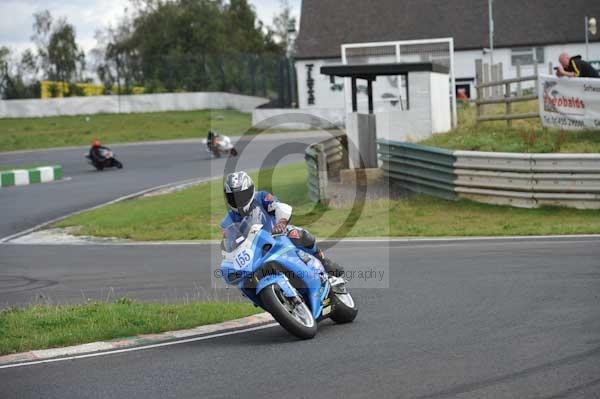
<point x="279" y="227"/>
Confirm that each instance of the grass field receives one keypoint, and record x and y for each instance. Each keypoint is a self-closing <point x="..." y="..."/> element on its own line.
<point x="526" y="135"/>
<point x="33" y="133"/>
<point x="195" y="213"/>
<point x="61" y="131"/>
<point x="43" y="326"/>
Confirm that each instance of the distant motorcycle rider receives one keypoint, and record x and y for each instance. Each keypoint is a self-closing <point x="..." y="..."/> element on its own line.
<point x="241" y="199"/>
<point x="102" y="157"/>
<point x="96" y="152"/>
<point x="210" y="139"/>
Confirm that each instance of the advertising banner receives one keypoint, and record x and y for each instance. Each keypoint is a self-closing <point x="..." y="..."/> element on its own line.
<point x="569" y="103"/>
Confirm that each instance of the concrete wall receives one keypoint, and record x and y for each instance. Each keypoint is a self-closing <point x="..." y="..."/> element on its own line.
<point x="127" y="104"/>
<point x="309" y="118"/>
<point x="441" y="119"/>
<point x="326" y="94"/>
<point x="362" y="140"/>
<point x="428" y="113"/>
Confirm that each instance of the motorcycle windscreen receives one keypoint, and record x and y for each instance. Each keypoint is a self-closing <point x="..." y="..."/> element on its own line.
<point x="233" y="236"/>
<point x="236" y="233"/>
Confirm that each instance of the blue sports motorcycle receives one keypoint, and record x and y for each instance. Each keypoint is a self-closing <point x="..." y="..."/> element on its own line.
<point x="287" y="282"/>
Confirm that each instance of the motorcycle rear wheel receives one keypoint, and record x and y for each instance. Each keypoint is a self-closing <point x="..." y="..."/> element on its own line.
<point x="296" y="318"/>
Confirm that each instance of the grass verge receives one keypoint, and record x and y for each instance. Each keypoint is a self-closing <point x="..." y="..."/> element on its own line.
<point x="42" y="326"/>
<point x="525" y="135"/>
<point x="62" y="131"/>
<point x="195" y="213"/>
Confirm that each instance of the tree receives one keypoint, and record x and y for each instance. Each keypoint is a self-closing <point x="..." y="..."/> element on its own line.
<point x="285" y="27"/>
<point x="63" y="53"/>
<point x="59" y="56"/>
<point x="42" y="28"/>
<point x="190" y="45"/>
<point x="28" y="67"/>
<point x="4" y="60"/>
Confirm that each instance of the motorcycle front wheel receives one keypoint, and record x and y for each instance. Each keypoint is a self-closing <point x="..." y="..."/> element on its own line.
<point x="117" y="164"/>
<point x="291" y="314"/>
<point x="344" y="309"/>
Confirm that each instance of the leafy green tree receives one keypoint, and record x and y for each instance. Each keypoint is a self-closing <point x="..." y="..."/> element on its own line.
<point x="285" y="27"/>
<point x="63" y="52"/>
<point x="42" y="29"/>
<point x="28" y="65"/>
<point x="59" y="56"/>
<point x="4" y="77"/>
<point x="191" y="45"/>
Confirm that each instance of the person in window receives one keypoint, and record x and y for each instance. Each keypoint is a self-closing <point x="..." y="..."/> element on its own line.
<point x="575" y="67"/>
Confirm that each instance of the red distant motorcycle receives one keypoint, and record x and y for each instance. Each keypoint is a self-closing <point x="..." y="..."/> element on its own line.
<point x="108" y="160"/>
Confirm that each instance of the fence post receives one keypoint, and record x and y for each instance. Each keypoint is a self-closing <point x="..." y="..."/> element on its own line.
<point x="500" y="75"/>
<point x="478" y="81"/>
<point x="486" y="78"/>
<point x="494" y="75"/>
<point x="508" y="103"/>
<point x="519" y="90"/>
<point x="322" y="168"/>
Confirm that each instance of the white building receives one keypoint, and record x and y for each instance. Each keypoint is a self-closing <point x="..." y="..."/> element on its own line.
<point x="525" y="32"/>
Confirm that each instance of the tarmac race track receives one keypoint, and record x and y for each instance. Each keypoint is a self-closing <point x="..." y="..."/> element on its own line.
<point x="146" y="166"/>
<point x="437" y="319"/>
<point x="462" y="319"/>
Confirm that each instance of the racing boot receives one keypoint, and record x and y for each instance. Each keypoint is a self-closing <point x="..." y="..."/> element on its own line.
<point x="332" y="268"/>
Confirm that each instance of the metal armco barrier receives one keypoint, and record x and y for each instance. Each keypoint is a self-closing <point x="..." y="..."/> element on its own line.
<point x="521" y="180"/>
<point x="324" y="160"/>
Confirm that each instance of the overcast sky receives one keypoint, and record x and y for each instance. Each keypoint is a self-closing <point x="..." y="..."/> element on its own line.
<point x="86" y="15"/>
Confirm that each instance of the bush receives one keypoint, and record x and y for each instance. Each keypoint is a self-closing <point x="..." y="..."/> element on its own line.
<point x="75" y="91"/>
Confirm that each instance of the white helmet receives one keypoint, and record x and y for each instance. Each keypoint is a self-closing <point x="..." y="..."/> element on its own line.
<point x="239" y="192"/>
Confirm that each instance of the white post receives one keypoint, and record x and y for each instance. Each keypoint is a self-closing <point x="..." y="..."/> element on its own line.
<point x="491" y="26"/>
<point x="587" y="44"/>
<point x="453" y="85"/>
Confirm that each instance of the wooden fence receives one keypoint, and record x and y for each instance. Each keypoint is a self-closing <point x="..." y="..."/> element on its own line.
<point x="499" y="91"/>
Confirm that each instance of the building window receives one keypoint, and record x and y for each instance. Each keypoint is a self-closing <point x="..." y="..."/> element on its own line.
<point x="527" y="55"/>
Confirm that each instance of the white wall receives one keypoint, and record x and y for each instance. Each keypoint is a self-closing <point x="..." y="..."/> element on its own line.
<point x="428" y="113"/>
<point x="441" y="118"/>
<point x="127" y="104"/>
<point x="330" y="96"/>
<point x="309" y="118"/>
<point x="325" y="96"/>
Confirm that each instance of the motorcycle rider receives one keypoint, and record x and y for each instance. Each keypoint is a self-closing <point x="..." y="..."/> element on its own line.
<point x="241" y="199"/>
<point x="210" y="139"/>
<point x="99" y="159"/>
<point x="96" y="153"/>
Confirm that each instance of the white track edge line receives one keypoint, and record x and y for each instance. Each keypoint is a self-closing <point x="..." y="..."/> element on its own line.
<point x="138" y="348"/>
